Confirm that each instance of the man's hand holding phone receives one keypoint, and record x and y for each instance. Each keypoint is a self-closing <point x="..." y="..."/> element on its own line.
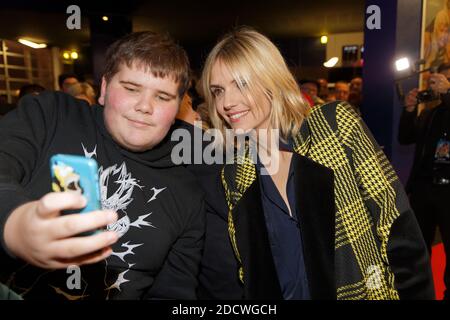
<point x="43" y="232"/>
<point x="37" y="233"/>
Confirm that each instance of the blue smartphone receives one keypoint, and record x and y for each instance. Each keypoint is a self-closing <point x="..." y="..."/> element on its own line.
<point x="76" y="174"/>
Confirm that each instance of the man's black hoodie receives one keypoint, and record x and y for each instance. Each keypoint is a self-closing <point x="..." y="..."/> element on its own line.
<point x="160" y="206"/>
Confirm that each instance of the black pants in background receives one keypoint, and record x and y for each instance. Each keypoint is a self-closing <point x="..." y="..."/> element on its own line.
<point x="431" y="205"/>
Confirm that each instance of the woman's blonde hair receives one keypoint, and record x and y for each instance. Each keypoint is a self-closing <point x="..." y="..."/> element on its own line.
<point x="257" y="64"/>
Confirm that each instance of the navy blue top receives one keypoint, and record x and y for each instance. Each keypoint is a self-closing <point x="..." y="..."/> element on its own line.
<point x="284" y="236"/>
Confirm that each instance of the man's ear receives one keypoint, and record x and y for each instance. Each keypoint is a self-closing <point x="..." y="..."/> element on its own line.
<point x="101" y="99"/>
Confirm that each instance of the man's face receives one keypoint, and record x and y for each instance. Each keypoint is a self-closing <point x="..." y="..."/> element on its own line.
<point x="139" y="107"/>
<point x="342" y="91"/>
<point x="356" y="84"/>
<point x="310" y="89"/>
<point x="68" y="82"/>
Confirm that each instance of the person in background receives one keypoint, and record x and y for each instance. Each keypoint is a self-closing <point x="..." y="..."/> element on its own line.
<point x="342" y="91"/>
<point x="311" y="88"/>
<point x="355" y="97"/>
<point x="33" y="89"/>
<point x="323" y="88"/>
<point x="203" y="111"/>
<point x="199" y="105"/>
<point x="356" y="84"/>
<point x="429" y="181"/>
<point x="186" y="112"/>
<point x="83" y="91"/>
<point x="65" y="80"/>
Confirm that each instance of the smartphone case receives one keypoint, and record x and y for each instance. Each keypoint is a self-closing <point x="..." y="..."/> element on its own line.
<point x="78" y="174"/>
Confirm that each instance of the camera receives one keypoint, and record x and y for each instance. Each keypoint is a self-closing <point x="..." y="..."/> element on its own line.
<point x="426" y="96"/>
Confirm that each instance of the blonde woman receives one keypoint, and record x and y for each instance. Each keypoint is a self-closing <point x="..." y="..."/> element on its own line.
<point x="331" y="220"/>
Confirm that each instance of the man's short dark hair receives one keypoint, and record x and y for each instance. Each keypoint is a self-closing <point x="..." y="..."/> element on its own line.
<point x="65" y="76"/>
<point x="155" y="52"/>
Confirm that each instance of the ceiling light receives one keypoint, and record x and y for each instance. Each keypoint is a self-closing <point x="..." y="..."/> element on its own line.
<point x="32" y="44"/>
<point x="323" y="39"/>
<point x="331" y="63"/>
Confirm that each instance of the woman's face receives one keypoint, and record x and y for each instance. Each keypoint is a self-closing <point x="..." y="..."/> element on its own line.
<point x="238" y="109"/>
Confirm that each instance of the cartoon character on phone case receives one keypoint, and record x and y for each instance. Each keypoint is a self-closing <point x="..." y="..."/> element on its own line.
<point x="65" y="179"/>
<point x="76" y="174"/>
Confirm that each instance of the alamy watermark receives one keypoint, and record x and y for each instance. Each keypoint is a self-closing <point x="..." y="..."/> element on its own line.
<point x="73" y="22"/>
<point x="214" y="147"/>
<point x="74" y="280"/>
<point x="374" y="19"/>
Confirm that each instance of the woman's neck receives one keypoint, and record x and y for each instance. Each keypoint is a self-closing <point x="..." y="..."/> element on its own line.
<point x="268" y="149"/>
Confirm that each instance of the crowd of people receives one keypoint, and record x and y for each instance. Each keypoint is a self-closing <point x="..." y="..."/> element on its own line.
<point x="314" y="92"/>
<point x="319" y="91"/>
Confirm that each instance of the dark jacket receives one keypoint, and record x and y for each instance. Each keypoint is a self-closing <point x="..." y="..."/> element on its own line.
<point x="424" y="131"/>
<point x="404" y="255"/>
<point x="219" y="268"/>
<point x="160" y="205"/>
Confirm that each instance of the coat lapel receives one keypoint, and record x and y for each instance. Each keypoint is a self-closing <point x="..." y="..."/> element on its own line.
<point x="260" y="276"/>
<point x="316" y="213"/>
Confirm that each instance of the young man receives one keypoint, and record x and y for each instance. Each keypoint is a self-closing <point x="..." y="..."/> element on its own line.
<point x="152" y="208"/>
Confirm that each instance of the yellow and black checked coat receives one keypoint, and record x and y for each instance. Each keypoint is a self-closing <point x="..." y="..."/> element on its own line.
<point x="378" y="249"/>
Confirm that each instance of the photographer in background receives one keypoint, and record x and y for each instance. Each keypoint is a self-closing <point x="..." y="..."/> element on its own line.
<point x="429" y="180"/>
